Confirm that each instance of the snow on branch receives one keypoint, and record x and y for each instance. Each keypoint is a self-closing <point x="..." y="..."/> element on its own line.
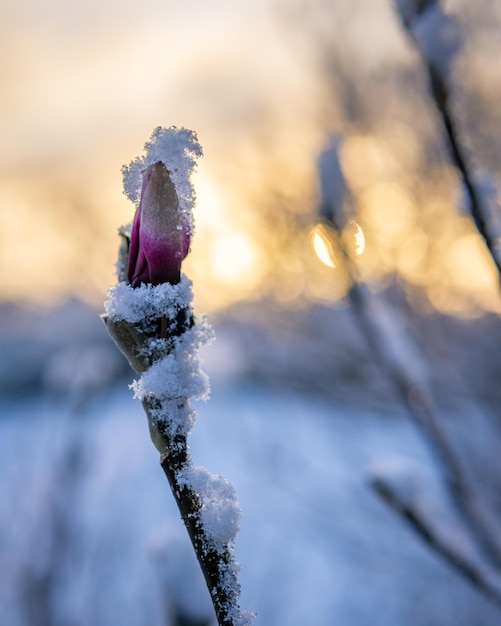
<point x="178" y="150"/>
<point x="149" y="315"/>
<point x="439" y="38"/>
<point x="401" y="360"/>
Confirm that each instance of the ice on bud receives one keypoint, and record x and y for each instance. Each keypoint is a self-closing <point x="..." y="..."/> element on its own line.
<point x="160" y="237"/>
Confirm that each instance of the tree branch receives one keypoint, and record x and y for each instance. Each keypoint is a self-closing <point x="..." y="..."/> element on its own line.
<point x="476" y="574"/>
<point x="438" y="78"/>
<point x="216" y="561"/>
<point x="398" y="356"/>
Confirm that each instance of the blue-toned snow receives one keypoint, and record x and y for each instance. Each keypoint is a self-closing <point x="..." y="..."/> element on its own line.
<point x="316" y="545"/>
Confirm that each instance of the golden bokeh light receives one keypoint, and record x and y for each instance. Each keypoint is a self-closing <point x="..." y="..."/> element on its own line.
<point x="326" y="245"/>
<point x="387" y="210"/>
<point x="226" y="261"/>
<point x="234" y="260"/>
<point x="424" y="240"/>
<point x="353" y="238"/>
<point x="471" y="270"/>
<point x="359" y="238"/>
<point x="365" y="160"/>
<point x="322" y="240"/>
<point x="410" y="259"/>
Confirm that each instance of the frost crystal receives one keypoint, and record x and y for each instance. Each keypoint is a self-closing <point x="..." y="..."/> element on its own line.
<point x="175" y="378"/>
<point x="178" y="149"/>
<point x="219" y="517"/>
<point x="220" y="511"/>
<point x="177" y="375"/>
<point x="147" y="303"/>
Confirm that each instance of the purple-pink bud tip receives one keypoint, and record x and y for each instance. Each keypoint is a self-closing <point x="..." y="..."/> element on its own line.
<point x="160" y="237"/>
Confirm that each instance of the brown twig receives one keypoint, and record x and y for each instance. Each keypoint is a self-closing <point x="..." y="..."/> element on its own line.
<point x="217" y="564"/>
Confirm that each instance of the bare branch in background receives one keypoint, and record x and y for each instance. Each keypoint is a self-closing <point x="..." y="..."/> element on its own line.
<point x="438" y="38"/>
<point x="401" y="360"/>
<point x="398" y="490"/>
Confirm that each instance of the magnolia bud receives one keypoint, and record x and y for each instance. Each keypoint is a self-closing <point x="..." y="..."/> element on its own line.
<point x="160" y="237"/>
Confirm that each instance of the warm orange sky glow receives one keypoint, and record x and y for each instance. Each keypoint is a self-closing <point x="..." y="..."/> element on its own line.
<point x="84" y="88"/>
<point x="85" y="85"/>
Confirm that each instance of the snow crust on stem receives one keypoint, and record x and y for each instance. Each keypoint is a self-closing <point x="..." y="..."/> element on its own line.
<point x="219" y="509"/>
<point x="155" y="328"/>
<point x="175" y="376"/>
<point x="147" y="303"/>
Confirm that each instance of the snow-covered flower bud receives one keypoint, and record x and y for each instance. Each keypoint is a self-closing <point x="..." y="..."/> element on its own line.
<point x="160" y="237"/>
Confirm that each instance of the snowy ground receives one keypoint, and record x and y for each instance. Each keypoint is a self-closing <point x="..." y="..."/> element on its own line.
<point x="89" y="533"/>
<point x="316" y="545"/>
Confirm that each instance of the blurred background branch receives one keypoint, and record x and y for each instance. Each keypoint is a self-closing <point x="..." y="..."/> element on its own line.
<point x="387" y="483"/>
<point x="439" y="39"/>
<point x="394" y="349"/>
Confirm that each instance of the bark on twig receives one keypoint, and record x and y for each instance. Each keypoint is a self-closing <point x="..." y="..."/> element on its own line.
<point x="213" y="563"/>
<point x="149" y="316"/>
<point x="217" y="565"/>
